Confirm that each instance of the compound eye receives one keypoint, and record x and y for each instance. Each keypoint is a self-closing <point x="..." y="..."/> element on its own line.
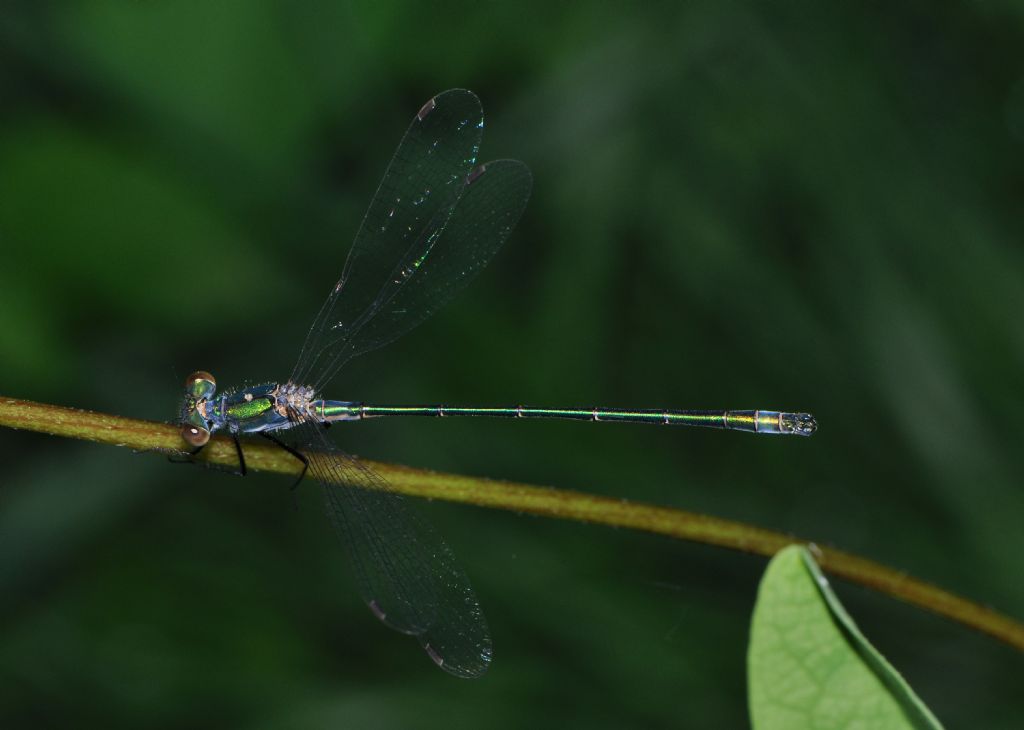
<point x="195" y="436"/>
<point x="200" y="384"/>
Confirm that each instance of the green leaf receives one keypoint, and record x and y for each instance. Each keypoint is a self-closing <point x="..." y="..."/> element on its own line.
<point x="808" y="664"/>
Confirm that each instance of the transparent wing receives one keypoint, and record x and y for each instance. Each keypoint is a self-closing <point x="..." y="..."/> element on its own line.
<point x="406" y="574"/>
<point x="492" y="204"/>
<point x="413" y="276"/>
<point x="423" y="182"/>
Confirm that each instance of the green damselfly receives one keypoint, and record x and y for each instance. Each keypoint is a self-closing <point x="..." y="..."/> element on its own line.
<point x="436" y="220"/>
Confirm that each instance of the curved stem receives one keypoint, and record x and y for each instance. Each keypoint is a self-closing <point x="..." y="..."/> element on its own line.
<point x="558" y="503"/>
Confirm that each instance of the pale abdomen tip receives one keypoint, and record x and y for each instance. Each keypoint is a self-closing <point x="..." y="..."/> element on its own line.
<point x="799" y="424"/>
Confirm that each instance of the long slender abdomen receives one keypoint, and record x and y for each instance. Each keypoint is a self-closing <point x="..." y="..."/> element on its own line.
<point x="754" y="421"/>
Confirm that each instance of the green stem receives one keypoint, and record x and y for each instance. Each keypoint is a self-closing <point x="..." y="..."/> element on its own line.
<point x="559" y="503"/>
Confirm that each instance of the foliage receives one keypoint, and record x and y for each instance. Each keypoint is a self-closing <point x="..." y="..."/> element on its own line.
<point x="809" y="666"/>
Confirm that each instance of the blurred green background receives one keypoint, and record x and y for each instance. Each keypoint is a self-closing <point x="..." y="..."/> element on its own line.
<point x="801" y="206"/>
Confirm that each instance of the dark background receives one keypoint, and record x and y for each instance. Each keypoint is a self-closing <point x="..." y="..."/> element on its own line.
<point x="805" y="206"/>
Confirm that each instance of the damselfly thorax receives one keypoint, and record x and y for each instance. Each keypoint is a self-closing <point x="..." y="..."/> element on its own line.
<point x="253" y="410"/>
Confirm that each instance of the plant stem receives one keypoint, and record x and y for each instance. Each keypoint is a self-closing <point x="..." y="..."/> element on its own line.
<point x="558" y="503"/>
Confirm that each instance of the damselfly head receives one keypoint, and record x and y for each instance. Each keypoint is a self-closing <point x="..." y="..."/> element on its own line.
<point x="199" y="388"/>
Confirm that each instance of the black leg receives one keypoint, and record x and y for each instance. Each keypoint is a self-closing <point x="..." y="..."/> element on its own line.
<point x="174" y="459"/>
<point x="189" y="458"/>
<point x="294" y="452"/>
<point x="241" y="458"/>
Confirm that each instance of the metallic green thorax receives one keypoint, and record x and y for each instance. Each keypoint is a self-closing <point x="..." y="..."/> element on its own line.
<point x="244" y="410"/>
<point x="251" y="410"/>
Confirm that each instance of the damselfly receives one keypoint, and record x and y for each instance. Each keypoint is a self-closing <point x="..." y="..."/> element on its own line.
<point x="436" y="220"/>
